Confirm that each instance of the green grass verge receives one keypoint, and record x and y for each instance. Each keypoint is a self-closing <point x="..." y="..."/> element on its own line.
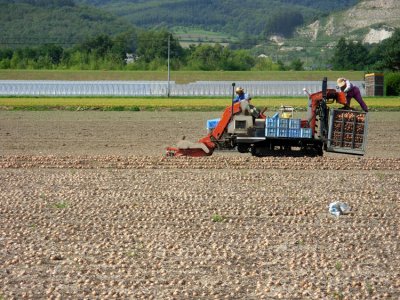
<point x="175" y="104"/>
<point x="177" y="76"/>
<point x="196" y="34"/>
<point x="189" y="36"/>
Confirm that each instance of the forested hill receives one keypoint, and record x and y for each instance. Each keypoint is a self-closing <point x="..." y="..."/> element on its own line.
<point x="63" y="22"/>
<point x="235" y="17"/>
<point x="67" y="22"/>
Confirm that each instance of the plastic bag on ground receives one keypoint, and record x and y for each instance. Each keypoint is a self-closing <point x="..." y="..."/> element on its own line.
<point x="338" y="208"/>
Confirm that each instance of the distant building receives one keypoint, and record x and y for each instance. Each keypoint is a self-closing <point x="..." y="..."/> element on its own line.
<point x="130" y="58"/>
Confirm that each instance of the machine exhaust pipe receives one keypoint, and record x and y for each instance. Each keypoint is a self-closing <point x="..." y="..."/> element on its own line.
<point x="233" y="97"/>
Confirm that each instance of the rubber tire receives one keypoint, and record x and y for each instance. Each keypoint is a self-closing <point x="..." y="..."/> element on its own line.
<point x="243" y="149"/>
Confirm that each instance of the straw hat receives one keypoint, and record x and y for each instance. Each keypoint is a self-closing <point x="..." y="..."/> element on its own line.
<point x="239" y="90"/>
<point x="341" y="82"/>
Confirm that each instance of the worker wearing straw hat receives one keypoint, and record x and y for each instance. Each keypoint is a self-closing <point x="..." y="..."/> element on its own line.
<point x="351" y="91"/>
<point x="240" y="95"/>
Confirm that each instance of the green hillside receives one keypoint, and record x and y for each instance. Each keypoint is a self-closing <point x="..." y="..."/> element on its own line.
<point x="261" y="34"/>
<point x="239" y="18"/>
<point x="306" y="30"/>
<point x="62" y="22"/>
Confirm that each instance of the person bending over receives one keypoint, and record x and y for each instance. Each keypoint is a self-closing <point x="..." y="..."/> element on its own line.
<point x="351" y="91"/>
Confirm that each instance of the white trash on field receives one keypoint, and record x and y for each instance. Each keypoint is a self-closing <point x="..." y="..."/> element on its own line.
<point x="338" y="208"/>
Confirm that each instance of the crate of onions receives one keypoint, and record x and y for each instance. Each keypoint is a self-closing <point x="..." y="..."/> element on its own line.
<point x="347" y="131"/>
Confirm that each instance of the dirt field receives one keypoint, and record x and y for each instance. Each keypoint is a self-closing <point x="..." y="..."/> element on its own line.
<point x="90" y="208"/>
<point x="139" y="133"/>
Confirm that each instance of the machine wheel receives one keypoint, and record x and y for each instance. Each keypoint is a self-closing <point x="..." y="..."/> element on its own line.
<point x="243" y="148"/>
<point x="254" y="151"/>
<point x="320" y="152"/>
<point x="315" y="150"/>
<point x="259" y="151"/>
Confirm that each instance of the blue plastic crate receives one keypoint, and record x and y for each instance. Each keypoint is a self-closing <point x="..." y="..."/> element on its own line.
<point x="306" y="133"/>
<point x="294" y="123"/>
<point x="270" y="132"/>
<point x="282" y="132"/>
<point x="211" y="124"/>
<point x="283" y="123"/>
<point x="271" y="123"/>
<point x="294" y="132"/>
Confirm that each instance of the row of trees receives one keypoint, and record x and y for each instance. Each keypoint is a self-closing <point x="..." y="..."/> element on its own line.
<point x="355" y="56"/>
<point x="43" y="3"/>
<point x="149" y="51"/>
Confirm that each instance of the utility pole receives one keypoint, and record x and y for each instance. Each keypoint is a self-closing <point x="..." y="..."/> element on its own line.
<point x="169" y="70"/>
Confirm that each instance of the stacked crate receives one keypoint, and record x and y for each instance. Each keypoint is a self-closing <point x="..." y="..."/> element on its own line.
<point x="294" y="128"/>
<point x="283" y="128"/>
<point x="306" y="133"/>
<point x="374" y="84"/>
<point x="286" y="128"/>
<point x="347" y="131"/>
<point x="271" y="127"/>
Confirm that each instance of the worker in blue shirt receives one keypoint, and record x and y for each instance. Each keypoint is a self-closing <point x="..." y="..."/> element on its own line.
<point x="240" y="95"/>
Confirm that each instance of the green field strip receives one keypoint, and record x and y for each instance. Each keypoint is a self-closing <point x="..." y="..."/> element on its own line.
<point x="181" y="103"/>
<point x="179" y="76"/>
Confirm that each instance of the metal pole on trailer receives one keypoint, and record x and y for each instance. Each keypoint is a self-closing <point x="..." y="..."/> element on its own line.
<point x="169" y="71"/>
<point x="233" y="97"/>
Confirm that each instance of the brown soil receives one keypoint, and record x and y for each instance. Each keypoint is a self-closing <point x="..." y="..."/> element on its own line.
<point x="90" y="208"/>
<point x="139" y="133"/>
